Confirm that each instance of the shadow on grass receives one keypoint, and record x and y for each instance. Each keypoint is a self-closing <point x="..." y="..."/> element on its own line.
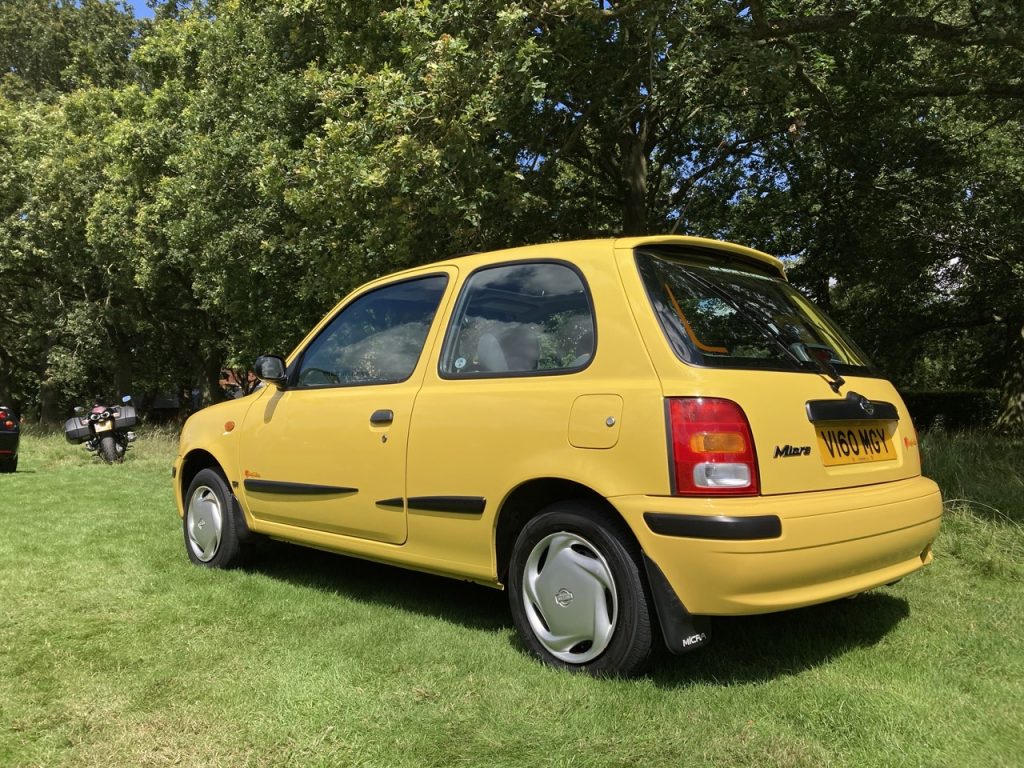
<point x="465" y="603"/>
<point x="752" y="649"/>
<point x="747" y="649"/>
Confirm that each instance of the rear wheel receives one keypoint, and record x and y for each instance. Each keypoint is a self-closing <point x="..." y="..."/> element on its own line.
<point x="576" y="592"/>
<point x="110" y="451"/>
<point x="9" y="464"/>
<point x="210" y="527"/>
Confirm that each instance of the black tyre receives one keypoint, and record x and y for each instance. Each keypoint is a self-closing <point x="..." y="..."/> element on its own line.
<point x="210" y="526"/>
<point x="110" y="451"/>
<point x="577" y="593"/>
<point x="9" y="464"/>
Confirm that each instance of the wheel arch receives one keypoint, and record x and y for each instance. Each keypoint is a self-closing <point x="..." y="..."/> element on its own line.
<point x="527" y="501"/>
<point x="196" y="461"/>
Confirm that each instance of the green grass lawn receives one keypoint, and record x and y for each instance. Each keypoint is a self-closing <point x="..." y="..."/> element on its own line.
<point x="115" y="651"/>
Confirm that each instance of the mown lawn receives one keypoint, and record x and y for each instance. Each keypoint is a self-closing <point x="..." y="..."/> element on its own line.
<point x="115" y="651"/>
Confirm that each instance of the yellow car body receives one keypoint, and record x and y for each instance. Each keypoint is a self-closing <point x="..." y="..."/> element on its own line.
<point x="442" y="470"/>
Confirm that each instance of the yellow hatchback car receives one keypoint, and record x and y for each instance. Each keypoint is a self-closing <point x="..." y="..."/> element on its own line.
<point x="629" y="435"/>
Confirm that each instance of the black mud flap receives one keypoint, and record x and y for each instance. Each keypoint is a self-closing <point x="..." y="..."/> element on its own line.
<point x="682" y="631"/>
<point x="241" y="526"/>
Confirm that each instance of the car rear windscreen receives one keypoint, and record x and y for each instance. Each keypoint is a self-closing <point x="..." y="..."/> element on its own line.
<point x="729" y="317"/>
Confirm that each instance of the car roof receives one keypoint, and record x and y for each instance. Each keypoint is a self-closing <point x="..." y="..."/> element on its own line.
<point x="600" y="249"/>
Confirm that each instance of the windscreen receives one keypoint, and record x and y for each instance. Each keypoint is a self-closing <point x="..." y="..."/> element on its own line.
<point x="728" y="317"/>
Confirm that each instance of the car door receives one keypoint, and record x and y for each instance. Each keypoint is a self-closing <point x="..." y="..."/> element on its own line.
<point x="328" y="452"/>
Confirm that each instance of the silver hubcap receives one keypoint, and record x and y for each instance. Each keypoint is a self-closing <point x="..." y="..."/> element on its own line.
<point x="569" y="596"/>
<point x="204" y="522"/>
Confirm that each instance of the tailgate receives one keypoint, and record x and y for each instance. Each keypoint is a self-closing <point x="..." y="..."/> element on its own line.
<point x="718" y="328"/>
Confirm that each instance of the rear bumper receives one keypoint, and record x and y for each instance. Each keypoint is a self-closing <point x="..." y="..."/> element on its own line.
<point x="9" y="443"/>
<point x="773" y="553"/>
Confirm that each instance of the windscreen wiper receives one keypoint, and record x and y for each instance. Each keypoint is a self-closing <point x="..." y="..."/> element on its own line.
<point x="764" y="323"/>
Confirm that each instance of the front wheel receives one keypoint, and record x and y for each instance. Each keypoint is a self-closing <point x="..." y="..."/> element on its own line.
<point x="210" y="526"/>
<point x="577" y="594"/>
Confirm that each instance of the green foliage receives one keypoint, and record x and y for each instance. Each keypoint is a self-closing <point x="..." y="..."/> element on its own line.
<point x="187" y="193"/>
<point x="48" y="47"/>
<point x="952" y="410"/>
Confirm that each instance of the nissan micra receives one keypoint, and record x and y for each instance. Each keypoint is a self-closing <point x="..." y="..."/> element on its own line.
<point x="629" y="436"/>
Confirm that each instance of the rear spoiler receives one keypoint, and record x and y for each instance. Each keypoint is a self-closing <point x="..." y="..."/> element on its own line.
<point x="762" y="261"/>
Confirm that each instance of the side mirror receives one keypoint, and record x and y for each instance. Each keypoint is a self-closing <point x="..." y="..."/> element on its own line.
<point x="79" y="410"/>
<point x="271" y="370"/>
<point x="126" y="399"/>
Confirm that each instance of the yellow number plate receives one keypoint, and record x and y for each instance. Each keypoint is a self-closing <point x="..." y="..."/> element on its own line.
<point x="854" y="444"/>
<point x="104" y="426"/>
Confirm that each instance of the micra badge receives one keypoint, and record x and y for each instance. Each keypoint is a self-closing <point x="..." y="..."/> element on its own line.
<point x="787" y="451"/>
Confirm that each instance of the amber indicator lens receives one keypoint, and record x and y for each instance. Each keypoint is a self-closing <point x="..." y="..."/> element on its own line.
<point x="718" y="442"/>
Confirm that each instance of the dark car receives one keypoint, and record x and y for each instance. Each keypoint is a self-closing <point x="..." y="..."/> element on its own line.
<point x="9" y="433"/>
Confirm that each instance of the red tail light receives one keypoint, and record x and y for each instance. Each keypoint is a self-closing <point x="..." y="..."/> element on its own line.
<point x="3" y="415"/>
<point x="712" y="448"/>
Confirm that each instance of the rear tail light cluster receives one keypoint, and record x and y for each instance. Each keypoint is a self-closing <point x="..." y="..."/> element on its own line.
<point x="712" y="448"/>
<point x="7" y="419"/>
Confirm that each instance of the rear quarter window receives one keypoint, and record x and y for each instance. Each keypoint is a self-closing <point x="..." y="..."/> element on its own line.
<point x="530" y="318"/>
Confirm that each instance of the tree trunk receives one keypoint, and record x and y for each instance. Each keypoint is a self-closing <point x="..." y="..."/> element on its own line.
<point x="123" y="375"/>
<point x="5" y="384"/>
<point x="210" y="383"/>
<point x="49" y="395"/>
<point x="49" y="403"/>
<point x="634" y="177"/>
<point x="1011" y="410"/>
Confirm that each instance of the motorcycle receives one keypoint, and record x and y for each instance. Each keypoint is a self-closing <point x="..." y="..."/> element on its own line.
<point x="105" y="429"/>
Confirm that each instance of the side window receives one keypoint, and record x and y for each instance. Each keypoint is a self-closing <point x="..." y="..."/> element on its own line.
<point x="377" y="339"/>
<point x="521" y="319"/>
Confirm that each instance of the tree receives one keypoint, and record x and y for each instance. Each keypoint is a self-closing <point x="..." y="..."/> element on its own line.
<point x="51" y="54"/>
<point x="216" y="179"/>
<point x="49" y="47"/>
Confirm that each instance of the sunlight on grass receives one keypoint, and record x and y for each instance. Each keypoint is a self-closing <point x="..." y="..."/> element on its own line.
<point x="115" y="651"/>
<point x="979" y="470"/>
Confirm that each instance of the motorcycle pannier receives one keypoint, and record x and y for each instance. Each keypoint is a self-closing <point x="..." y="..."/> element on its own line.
<point x="126" y="418"/>
<point x="76" y="430"/>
